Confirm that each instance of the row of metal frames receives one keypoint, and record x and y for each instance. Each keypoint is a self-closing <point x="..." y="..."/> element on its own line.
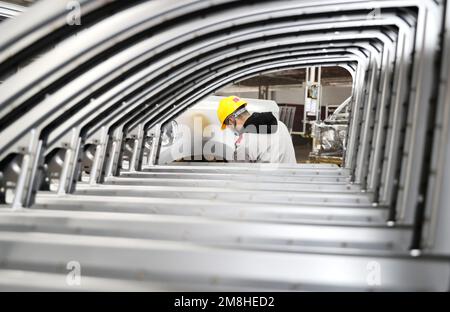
<point x="86" y="87"/>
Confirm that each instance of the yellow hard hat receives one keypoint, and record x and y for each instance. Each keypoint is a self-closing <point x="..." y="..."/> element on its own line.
<point x="227" y="106"/>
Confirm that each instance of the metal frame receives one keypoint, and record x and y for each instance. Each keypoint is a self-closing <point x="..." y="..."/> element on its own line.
<point x="122" y="87"/>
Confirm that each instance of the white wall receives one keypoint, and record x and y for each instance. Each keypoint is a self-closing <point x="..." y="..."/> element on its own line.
<point x="331" y="95"/>
<point x="335" y="95"/>
<point x="290" y="95"/>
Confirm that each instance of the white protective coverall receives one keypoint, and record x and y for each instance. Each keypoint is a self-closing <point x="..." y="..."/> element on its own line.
<point x="265" y="140"/>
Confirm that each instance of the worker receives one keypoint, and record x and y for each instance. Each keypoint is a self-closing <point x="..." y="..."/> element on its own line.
<point x="260" y="136"/>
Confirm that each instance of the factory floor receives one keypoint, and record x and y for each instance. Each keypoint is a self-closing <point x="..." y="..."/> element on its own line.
<point x="302" y="148"/>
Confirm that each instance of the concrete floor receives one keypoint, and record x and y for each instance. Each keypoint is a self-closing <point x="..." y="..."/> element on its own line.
<point x="302" y="148"/>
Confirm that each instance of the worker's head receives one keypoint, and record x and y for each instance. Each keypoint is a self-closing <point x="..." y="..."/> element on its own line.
<point x="232" y="113"/>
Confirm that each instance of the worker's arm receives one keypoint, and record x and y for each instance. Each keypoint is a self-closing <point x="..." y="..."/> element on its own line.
<point x="246" y="148"/>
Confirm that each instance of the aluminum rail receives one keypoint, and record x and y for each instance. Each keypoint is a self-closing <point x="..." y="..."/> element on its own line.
<point x="222" y="233"/>
<point x="223" y="194"/>
<point x="9" y="10"/>
<point x="159" y="261"/>
<point x="218" y="209"/>
<point x="299" y="178"/>
<point x="432" y="233"/>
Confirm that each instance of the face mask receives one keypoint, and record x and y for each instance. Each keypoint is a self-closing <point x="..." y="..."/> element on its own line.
<point x="233" y="128"/>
